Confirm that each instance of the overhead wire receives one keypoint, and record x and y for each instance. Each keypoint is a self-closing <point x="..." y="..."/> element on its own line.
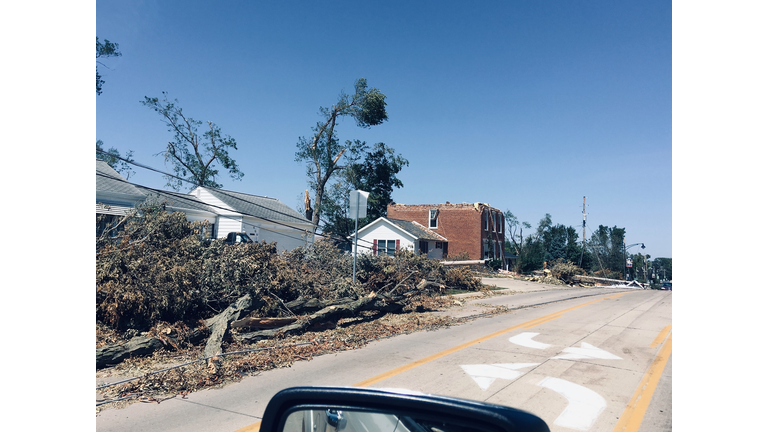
<point x="191" y="199"/>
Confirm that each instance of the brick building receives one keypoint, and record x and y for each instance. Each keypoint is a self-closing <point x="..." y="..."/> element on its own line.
<point x="477" y="229"/>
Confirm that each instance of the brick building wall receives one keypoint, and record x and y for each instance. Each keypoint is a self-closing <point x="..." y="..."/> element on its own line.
<point x="462" y="224"/>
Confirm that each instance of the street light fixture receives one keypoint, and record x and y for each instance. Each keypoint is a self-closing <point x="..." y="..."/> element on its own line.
<point x="625" y="255"/>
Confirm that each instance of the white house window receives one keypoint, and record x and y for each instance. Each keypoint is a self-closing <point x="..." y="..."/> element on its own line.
<point x="433" y="218"/>
<point x="386" y="247"/>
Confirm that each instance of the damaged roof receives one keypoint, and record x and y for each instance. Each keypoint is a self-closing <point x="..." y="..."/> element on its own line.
<point x="417" y="230"/>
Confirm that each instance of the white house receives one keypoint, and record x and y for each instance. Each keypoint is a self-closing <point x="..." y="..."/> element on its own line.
<point x="262" y="218"/>
<point x="385" y="236"/>
<point x="194" y="209"/>
<point x="115" y="197"/>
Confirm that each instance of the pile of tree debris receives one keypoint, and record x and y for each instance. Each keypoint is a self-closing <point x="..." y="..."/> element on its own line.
<point x="561" y="272"/>
<point x="159" y="286"/>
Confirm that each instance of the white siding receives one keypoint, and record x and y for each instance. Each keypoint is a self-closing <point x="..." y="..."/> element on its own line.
<point x="253" y="229"/>
<point x="219" y="206"/>
<point x="287" y="237"/>
<point x="433" y="251"/>
<point x="228" y="224"/>
<point x="381" y="230"/>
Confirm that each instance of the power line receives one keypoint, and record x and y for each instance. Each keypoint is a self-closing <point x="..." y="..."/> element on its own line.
<point x="192" y="199"/>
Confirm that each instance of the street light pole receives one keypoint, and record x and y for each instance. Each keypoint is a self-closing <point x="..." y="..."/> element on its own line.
<point x="625" y="261"/>
<point x="642" y="246"/>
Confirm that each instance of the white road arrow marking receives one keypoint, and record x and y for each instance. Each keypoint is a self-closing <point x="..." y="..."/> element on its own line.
<point x="485" y="374"/>
<point x="526" y="340"/>
<point x="586" y="351"/>
<point x="584" y="405"/>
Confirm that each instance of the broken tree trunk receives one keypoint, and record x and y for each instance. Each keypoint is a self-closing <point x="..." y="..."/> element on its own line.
<point x="145" y="345"/>
<point x="138" y="346"/>
<point x="263" y="323"/>
<point x="325" y="312"/>
<point x="425" y="283"/>
<point x="219" y="324"/>
<point x="301" y="306"/>
<point x="328" y="314"/>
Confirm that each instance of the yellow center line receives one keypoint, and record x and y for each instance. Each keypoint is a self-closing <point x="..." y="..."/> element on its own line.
<point x="251" y="428"/>
<point x="661" y="336"/>
<point x="635" y="411"/>
<point x="542" y="321"/>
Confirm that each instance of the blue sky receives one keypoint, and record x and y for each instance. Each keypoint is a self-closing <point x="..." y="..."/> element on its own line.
<point x="527" y="106"/>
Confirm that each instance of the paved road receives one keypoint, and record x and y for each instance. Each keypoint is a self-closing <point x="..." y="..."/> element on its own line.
<point x="579" y="358"/>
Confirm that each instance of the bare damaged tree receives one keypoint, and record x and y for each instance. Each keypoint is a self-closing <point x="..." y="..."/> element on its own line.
<point x="323" y="151"/>
<point x="194" y="157"/>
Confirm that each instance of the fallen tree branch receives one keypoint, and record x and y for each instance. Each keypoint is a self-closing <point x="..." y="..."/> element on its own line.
<point x="331" y="313"/>
<point x="216" y="326"/>
<point x="138" y="346"/>
<point x="263" y="323"/>
<point x="221" y="322"/>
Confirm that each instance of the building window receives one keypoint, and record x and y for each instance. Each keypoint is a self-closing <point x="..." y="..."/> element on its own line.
<point x="438" y="245"/>
<point x="386" y="247"/>
<point x="433" y="218"/>
<point x="105" y="222"/>
<point x="485" y="220"/>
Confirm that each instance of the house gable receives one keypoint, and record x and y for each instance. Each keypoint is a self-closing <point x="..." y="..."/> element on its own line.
<point x="262" y="218"/>
<point x="383" y="232"/>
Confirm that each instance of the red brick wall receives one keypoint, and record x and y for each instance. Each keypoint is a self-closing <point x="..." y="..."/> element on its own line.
<point x="461" y="224"/>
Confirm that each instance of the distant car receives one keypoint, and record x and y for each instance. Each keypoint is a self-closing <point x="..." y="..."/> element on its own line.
<point x="666" y="286"/>
<point x="237" y="237"/>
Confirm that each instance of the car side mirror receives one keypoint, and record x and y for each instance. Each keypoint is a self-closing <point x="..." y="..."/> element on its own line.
<point x="353" y="409"/>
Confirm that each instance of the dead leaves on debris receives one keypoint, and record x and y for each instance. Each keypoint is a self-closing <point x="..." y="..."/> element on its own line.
<point x="351" y="333"/>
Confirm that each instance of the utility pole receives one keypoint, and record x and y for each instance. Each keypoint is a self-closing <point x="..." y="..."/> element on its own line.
<point x="584" y="223"/>
<point x="583" y="228"/>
